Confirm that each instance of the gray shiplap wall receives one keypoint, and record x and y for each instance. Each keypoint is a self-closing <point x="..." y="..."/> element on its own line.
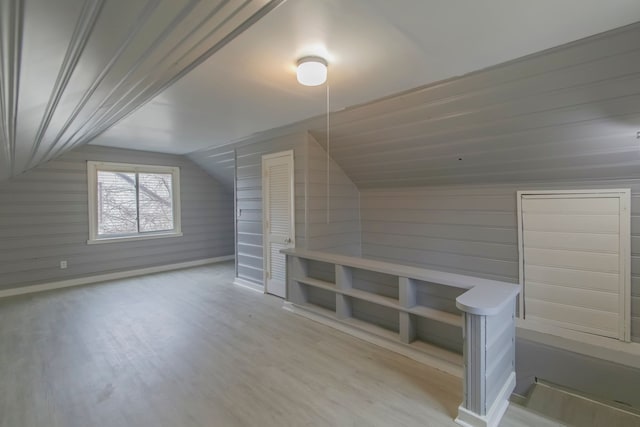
<point x="249" y="200"/>
<point x="568" y="113"/>
<point x="44" y="219"/>
<point x="470" y="230"/>
<point x="342" y="234"/>
<point x="220" y="164"/>
<point x="338" y="229"/>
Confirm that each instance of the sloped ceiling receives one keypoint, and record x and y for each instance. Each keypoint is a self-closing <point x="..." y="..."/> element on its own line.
<point x="569" y="113"/>
<point x="375" y="48"/>
<point x="72" y="68"/>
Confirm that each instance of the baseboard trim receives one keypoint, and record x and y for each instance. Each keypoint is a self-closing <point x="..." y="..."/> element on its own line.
<point x="467" y="418"/>
<point x="111" y="276"/>
<point x="248" y="284"/>
<point x="419" y="356"/>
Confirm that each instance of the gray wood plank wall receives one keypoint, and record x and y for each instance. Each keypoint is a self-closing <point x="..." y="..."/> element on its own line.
<point x="468" y="229"/>
<point x="568" y="113"/>
<point x="220" y="164"/>
<point x="44" y="219"/>
<point x="249" y="200"/>
<point x="338" y="229"/>
<point x="341" y="234"/>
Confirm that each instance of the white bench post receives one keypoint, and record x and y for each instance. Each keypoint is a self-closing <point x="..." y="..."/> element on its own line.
<point x="489" y="364"/>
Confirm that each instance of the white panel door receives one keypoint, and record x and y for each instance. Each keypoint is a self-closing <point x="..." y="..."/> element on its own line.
<point x="574" y="268"/>
<point x="278" y="218"/>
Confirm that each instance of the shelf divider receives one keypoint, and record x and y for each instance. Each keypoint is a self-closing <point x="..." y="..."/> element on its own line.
<point x="296" y="267"/>
<point x="344" y="281"/>
<point x="407" y="292"/>
<point x="316" y="283"/>
<point x="407" y="298"/>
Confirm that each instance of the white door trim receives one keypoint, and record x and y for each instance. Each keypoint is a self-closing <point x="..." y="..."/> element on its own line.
<point x="624" y="196"/>
<point x="265" y="201"/>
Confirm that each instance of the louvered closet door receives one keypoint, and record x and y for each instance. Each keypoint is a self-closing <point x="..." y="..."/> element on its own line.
<point x="573" y="262"/>
<point x="278" y="218"/>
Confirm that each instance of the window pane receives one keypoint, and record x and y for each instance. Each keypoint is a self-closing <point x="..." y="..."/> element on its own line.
<point x="156" y="202"/>
<point x="116" y="203"/>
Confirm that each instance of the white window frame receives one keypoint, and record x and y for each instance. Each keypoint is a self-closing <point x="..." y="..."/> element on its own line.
<point x="92" y="179"/>
<point x="625" y="271"/>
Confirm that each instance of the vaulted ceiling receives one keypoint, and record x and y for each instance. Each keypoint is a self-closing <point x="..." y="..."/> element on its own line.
<point x="73" y="68"/>
<point x="375" y="48"/>
<point x="75" y="71"/>
<point x="568" y="113"/>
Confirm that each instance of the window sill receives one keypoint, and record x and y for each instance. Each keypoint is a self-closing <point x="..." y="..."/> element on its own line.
<point x="132" y="238"/>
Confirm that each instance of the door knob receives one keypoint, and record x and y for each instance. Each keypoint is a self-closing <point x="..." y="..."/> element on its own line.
<point x="287" y="240"/>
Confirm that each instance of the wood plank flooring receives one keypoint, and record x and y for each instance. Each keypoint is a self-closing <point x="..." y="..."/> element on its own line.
<point x="188" y="348"/>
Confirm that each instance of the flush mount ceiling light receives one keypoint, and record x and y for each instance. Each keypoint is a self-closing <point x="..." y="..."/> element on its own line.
<point x="312" y="71"/>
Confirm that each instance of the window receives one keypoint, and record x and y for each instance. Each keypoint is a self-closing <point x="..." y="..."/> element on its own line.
<point x="132" y="202"/>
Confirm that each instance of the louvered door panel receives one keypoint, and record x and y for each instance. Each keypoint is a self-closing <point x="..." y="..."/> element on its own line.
<point x="279" y="218"/>
<point x="572" y="266"/>
<point x="278" y="263"/>
<point x="279" y="199"/>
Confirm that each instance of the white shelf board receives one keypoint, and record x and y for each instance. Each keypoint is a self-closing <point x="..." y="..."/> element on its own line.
<point x="371" y="297"/>
<point x="426" y="312"/>
<point x="483" y="297"/>
<point x="316" y="283"/>
<point x="424" y="274"/>
<point x="438" y="315"/>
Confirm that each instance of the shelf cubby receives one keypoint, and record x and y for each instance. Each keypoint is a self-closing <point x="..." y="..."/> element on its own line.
<point x="375" y="314"/>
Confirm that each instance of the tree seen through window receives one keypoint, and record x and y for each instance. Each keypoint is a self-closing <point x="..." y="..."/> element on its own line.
<point x="130" y="203"/>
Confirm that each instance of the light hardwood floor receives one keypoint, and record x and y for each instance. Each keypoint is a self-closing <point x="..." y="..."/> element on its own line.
<point x="188" y="348"/>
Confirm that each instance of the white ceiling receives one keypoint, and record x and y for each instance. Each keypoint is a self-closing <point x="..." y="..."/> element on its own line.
<point x="375" y="48"/>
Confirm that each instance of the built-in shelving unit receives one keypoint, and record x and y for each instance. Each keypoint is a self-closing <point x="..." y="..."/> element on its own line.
<point x="344" y="292"/>
<point x="406" y="306"/>
<point x="454" y="319"/>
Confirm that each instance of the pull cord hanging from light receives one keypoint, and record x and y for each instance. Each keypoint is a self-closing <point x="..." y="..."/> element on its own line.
<point x="312" y="71"/>
<point x="328" y="163"/>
